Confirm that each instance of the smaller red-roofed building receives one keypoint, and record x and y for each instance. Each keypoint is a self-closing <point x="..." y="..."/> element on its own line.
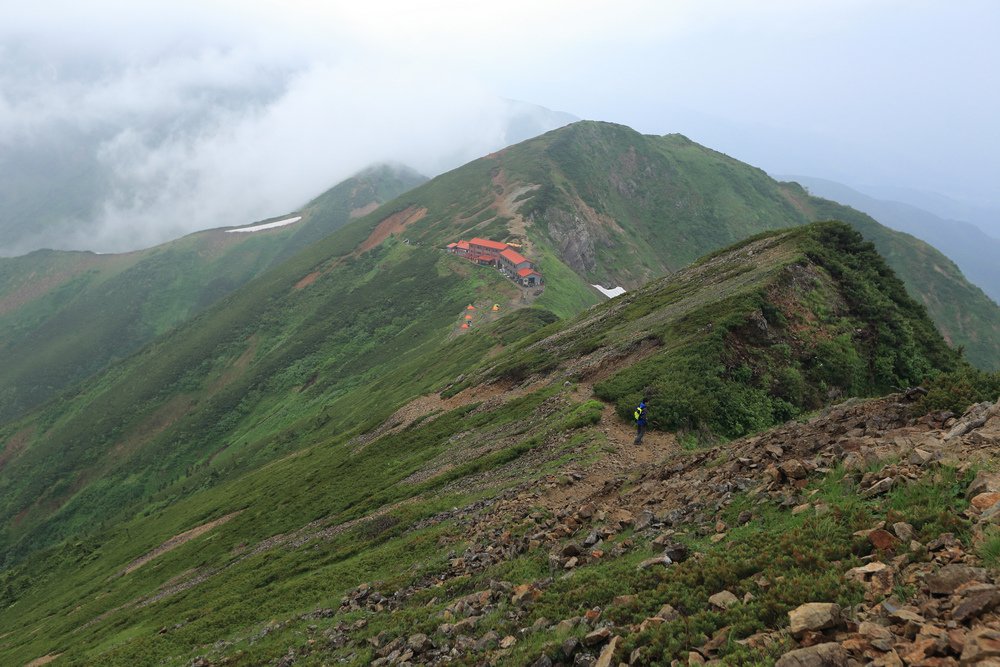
<point x="529" y="277"/>
<point x="460" y="248"/>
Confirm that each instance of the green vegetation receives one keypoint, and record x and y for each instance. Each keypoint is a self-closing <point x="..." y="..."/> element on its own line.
<point x="752" y="337"/>
<point x="67" y="315"/>
<point x="277" y="408"/>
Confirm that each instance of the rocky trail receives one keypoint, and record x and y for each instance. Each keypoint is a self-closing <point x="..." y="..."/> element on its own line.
<point x="658" y="492"/>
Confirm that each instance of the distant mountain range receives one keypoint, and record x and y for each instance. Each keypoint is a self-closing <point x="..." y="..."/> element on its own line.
<point x="56" y="190"/>
<point x="972" y="249"/>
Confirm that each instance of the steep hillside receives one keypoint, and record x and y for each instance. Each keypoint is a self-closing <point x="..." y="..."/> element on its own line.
<point x="601" y="203"/>
<point x="67" y="315"/>
<point x="236" y="561"/>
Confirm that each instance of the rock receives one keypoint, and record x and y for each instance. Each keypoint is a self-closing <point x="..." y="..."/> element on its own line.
<point x="905" y="616"/>
<point x="487" y="641"/>
<point x="950" y="577"/>
<point x="543" y="661"/>
<point x="814" y="616"/>
<point x="525" y="594"/>
<point x="668" y="613"/>
<point x="723" y="600"/>
<point x="883" y="540"/>
<point x="793" y="469"/>
<point x="980" y="644"/>
<point x="569" y="646"/>
<point x="903" y="530"/>
<point x="508" y="641"/>
<point x="986" y="500"/>
<point x="650" y="562"/>
<point x="695" y="658"/>
<point x="975" y="604"/>
<point x="675" y="551"/>
<point x="865" y="571"/>
<point x="644" y="521"/>
<point x="799" y="509"/>
<point x="878" y="636"/>
<point x="571" y="549"/>
<point x="571" y="563"/>
<point x="984" y="482"/>
<point x="744" y="518"/>
<point x="596" y="637"/>
<point x="879" y="488"/>
<point x="920" y="457"/>
<point x="830" y="654"/>
<point x="718" y="640"/>
<point x="419" y="643"/>
<point x="624" y="600"/>
<point x="608" y="654"/>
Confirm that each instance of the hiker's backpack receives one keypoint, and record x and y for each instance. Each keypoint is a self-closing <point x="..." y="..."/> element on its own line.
<point x="638" y="413"/>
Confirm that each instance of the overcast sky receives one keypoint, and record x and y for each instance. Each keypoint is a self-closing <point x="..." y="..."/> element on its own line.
<point x="188" y="115"/>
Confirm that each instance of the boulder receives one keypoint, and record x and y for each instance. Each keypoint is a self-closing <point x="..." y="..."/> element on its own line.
<point x="903" y="530"/>
<point x="814" y="616"/>
<point x="950" y="577"/>
<point x="883" y="540"/>
<point x="830" y="654"/>
<point x="608" y="654"/>
<point x="668" y="613"/>
<point x="981" y="644"/>
<point x="984" y="482"/>
<point x="976" y="604"/>
<point x="794" y="469"/>
<point x="723" y="600"/>
<point x="419" y="643"/>
<point x="596" y="637"/>
<point x="985" y="500"/>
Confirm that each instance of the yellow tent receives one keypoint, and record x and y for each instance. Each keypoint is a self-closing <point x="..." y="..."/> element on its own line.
<point x="496" y="307"/>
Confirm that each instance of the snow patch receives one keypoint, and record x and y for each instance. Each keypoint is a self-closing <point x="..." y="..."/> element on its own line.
<point x="268" y="225"/>
<point x="610" y="293"/>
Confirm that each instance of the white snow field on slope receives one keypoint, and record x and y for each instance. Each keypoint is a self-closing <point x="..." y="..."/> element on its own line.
<point x="268" y="225"/>
<point x="610" y="293"/>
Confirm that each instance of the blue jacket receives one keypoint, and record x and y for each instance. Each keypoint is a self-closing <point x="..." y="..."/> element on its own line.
<point x="640" y="414"/>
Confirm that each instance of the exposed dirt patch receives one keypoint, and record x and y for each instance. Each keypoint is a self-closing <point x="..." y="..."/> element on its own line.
<point x="308" y="280"/>
<point x="801" y="206"/>
<point x="363" y="210"/>
<point x="44" y="660"/>
<point x="174" y="542"/>
<point x="152" y="426"/>
<point x="238" y="367"/>
<point x="15" y="444"/>
<point x="504" y="195"/>
<point x="394" y="224"/>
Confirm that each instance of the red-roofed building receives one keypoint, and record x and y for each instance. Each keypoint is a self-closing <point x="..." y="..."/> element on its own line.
<point x="515" y="266"/>
<point x="529" y="277"/>
<point x="460" y="248"/>
<point x="484" y="245"/>
<point x="513" y="262"/>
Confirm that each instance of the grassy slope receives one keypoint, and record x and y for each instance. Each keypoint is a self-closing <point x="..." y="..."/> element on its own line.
<point x="605" y="204"/>
<point x="241" y="387"/>
<point x="66" y="315"/>
<point x="69" y="601"/>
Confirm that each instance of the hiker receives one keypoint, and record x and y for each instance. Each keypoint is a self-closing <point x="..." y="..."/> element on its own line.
<point x="640" y="421"/>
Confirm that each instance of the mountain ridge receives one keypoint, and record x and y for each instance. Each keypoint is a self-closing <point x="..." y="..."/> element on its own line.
<point x="375" y="501"/>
